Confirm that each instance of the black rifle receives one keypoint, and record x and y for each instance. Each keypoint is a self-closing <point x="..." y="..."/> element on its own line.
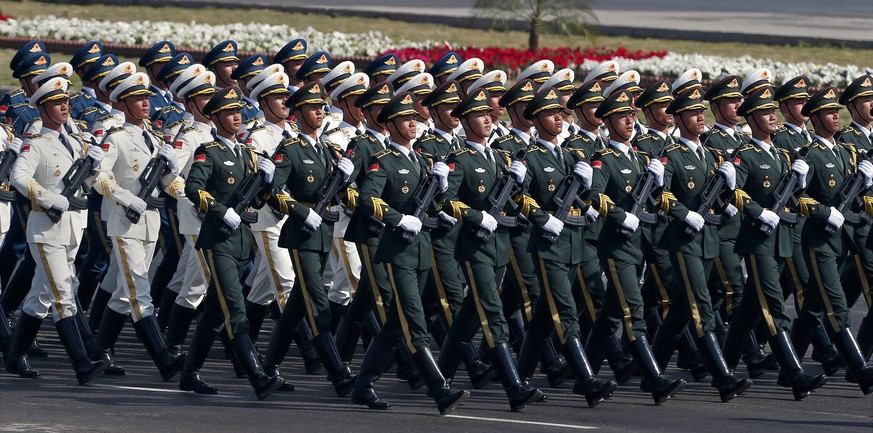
<point x="327" y="193"/>
<point x="7" y="161"/>
<point x="850" y="199"/>
<point x="150" y="180"/>
<point x="247" y="196"/>
<point x="566" y="201"/>
<point x="713" y="189"/>
<point x="642" y="195"/>
<point x="785" y="194"/>
<point x="424" y="201"/>
<point x="81" y="169"/>
<point x="500" y="197"/>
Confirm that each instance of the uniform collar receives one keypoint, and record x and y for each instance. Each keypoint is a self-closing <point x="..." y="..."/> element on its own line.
<point x="524" y="136"/>
<point x="378" y="135"/>
<point x="448" y="136"/>
<point x="548" y="145"/>
<point x="623" y="148"/>
<point x="691" y="145"/>
<point x="860" y="128"/>
<point x="766" y="147"/>
<point x="660" y="134"/>
<point x="200" y="125"/>
<point x="592" y="136"/>
<point x="477" y="147"/>
<point x="226" y="142"/>
<point x="51" y="132"/>
<point x="730" y="131"/>
<point x="796" y="128"/>
<point x="347" y="125"/>
<point x="402" y="149"/>
<point x="830" y="144"/>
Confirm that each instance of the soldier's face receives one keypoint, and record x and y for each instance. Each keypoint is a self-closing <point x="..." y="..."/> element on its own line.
<point x="223" y="71"/>
<point x="791" y="109"/>
<point x="861" y="108"/>
<point x="314" y="78"/>
<point x="829" y="119"/>
<point x="348" y="105"/>
<point x="693" y="120"/>
<point x="198" y="102"/>
<point x="403" y="127"/>
<point x="28" y="86"/>
<point x="292" y="66"/>
<point x="478" y="125"/>
<point x="549" y="122"/>
<point x="496" y="110"/>
<point x="137" y="106"/>
<point x="57" y="111"/>
<point x="585" y="113"/>
<point x="275" y="104"/>
<point x="765" y="120"/>
<point x="444" y="115"/>
<point x="421" y="109"/>
<point x="658" y="113"/>
<point x="519" y="120"/>
<point x="621" y="125"/>
<point x="728" y="108"/>
<point x="312" y="114"/>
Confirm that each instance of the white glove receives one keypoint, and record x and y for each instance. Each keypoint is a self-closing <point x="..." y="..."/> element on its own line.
<point x="836" y="218"/>
<point x="769" y="217"/>
<point x="730" y="210"/>
<point x="866" y="168"/>
<point x="585" y="172"/>
<point x="656" y="167"/>
<point x="231" y="218"/>
<point x="554" y="226"/>
<point x="168" y="152"/>
<point x="410" y="223"/>
<point x="488" y="222"/>
<point x="448" y="218"/>
<point x="313" y="220"/>
<point x="801" y="168"/>
<point x="519" y="170"/>
<point x="729" y="172"/>
<point x="441" y="171"/>
<point x="631" y="222"/>
<point x="592" y="214"/>
<point x="61" y="203"/>
<point x="346" y="167"/>
<point x="694" y="220"/>
<point x="15" y="145"/>
<point x="96" y="154"/>
<point x="266" y="166"/>
<point x="137" y="205"/>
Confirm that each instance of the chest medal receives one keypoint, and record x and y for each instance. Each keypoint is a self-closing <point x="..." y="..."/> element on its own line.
<point x="690" y="184"/>
<point x="481" y="188"/>
<point x="231" y="180"/>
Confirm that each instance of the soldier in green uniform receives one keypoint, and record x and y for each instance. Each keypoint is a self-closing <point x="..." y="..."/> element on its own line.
<point x="483" y="262"/>
<point x="688" y="165"/>
<point x="303" y="162"/>
<point x="858" y="270"/>
<point x="556" y="260"/>
<point x="653" y="103"/>
<point x="216" y="169"/>
<point x="830" y="163"/>
<point x="445" y="288"/>
<point x="760" y="167"/>
<point x="790" y="97"/>
<point x="387" y="194"/>
<point x="616" y="170"/>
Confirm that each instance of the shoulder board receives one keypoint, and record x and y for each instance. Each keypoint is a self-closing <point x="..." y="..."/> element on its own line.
<point x="258" y="127"/>
<point x="537" y="148"/>
<point x="188" y="128"/>
<point x="428" y="137"/>
<point x="212" y="144"/>
<point x="673" y="147"/>
<point x="782" y="127"/>
<point x="851" y="129"/>
<point x="748" y="146"/>
<point x="505" y="138"/>
<point x="462" y="151"/>
<point x="817" y="144"/>
<point x="89" y="110"/>
<point x="647" y="136"/>
<point x="582" y="137"/>
<point x="114" y="130"/>
<point x="330" y="131"/>
<point x="33" y="136"/>
<point x="501" y="151"/>
<point x="293" y="140"/>
<point x="383" y="153"/>
<point x="16" y="92"/>
<point x="174" y="124"/>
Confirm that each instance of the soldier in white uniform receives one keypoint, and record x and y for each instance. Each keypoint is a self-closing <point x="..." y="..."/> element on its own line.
<point x="12" y="144"/>
<point x="128" y="151"/>
<point x="43" y="161"/>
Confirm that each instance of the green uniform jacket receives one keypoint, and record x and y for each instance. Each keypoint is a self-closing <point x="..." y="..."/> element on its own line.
<point x="212" y="181"/>
<point x="584" y="144"/>
<point x="718" y="139"/>
<point x="758" y="176"/>
<point x="439" y="148"/>
<point x="387" y="194"/>
<point x="789" y="139"/>
<point x="545" y="182"/>
<point x="365" y="147"/>
<point x="471" y="179"/>
<point x="827" y="172"/>
<point x="615" y="176"/>
<point x="851" y="135"/>
<point x="300" y="170"/>
<point x="651" y="144"/>
<point x="684" y="177"/>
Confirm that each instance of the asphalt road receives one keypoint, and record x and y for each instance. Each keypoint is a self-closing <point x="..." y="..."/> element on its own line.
<point x="140" y="402"/>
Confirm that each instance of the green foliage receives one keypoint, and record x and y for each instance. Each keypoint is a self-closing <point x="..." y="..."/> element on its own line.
<point x="570" y="17"/>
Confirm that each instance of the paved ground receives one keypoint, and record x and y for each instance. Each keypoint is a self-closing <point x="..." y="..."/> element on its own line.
<point x="140" y="402"/>
<point x="776" y="21"/>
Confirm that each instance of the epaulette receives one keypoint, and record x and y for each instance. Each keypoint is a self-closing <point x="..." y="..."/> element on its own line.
<point x="258" y="127"/>
<point x="293" y="140"/>
<point x="16" y="92"/>
<point x="851" y="129"/>
<point x="818" y="144"/>
<point x="462" y="151"/>
<point x="383" y="153"/>
<point x="781" y="127"/>
<point x="174" y="124"/>
<point x="608" y="151"/>
<point x="748" y="146"/>
<point x="504" y="138"/>
<point x="645" y="136"/>
<point x="212" y="144"/>
<point x="331" y="131"/>
<point x="33" y="136"/>
<point x="537" y="148"/>
<point x="89" y="110"/>
<point x="187" y="129"/>
<point x="673" y="147"/>
<point x="582" y="137"/>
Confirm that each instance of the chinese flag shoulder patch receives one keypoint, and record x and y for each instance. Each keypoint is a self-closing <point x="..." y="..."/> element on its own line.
<point x="452" y="166"/>
<point x="597" y="164"/>
<point x="25" y="148"/>
<point x="373" y="167"/>
<point x="200" y="158"/>
<point x="278" y="158"/>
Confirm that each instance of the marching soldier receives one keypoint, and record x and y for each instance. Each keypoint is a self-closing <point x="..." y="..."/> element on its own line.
<point x="11" y="144"/>
<point x="447" y="64"/>
<point x="216" y="168"/>
<point x="421" y="85"/>
<point x="44" y="158"/>
<point x="381" y="68"/>
<point x="760" y="168"/>
<point x="826" y="240"/>
<point x="248" y="68"/>
<point x="291" y="57"/>
<point x="387" y="193"/>
<point x="128" y="151"/>
<point x="314" y="68"/>
<point x="153" y="60"/>
<point x="81" y="61"/>
<point x="304" y="162"/>
<point x="467" y="73"/>
<point x="691" y="243"/>
<point x="495" y="83"/>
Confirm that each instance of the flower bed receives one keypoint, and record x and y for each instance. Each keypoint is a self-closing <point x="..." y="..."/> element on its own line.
<point x="250" y="37"/>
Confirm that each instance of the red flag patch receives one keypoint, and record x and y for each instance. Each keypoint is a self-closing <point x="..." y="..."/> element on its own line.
<point x="178" y="145"/>
<point x="98" y="132"/>
<point x="452" y="166"/>
<point x="25" y="148"/>
<point x="278" y="158"/>
<point x="663" y="160"/>
<point x="105" y="146"/>
<point x="597" y="164"/>
<point x="200" y="158"/>
<point x="373" y="167"/>
<point x="737" y="161"/>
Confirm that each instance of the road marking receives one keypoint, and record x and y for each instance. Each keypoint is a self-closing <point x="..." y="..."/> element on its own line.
<point x="515" y="421"/>
<point x="170" y="391"/>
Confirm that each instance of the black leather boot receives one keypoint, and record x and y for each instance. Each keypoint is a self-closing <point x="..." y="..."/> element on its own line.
<point x="552" y="364"/>
<point x="620" y="362"/>
<point x="865" y="343"/>
<point x="437" y="387"/>
<point x="587" y="384"/>
<point x="5" y="335"/>
<point x="792" y="369"/>
<point x="337" y="311"/>
<point x="304" y="339"/>
<point x="178" y="326"/>
<point x="663" y="346"/>
<point x="230" y="354"/>
<point x="22" y="338"/>
<point x="377" y="357"/>
<point x="406" y="368"/>
<point x="660" y="386"/>
<point x="480" y="372"/>
<point x="165" y="309"/>
<point x="519" y="393"/>
<point x="148" y="332"/>
<point x="347" y="335"/>
<point x="757" y="362"/>
<point x="338" y="373"/>
<point x="280" y="341"/>
<point x="722" y="379"/>
<point x="824" y="352"/>
<point x="85" y="331"/>
<point x="98" y="307"/>
<point x="256" y="313"/>
<point x="198" y="350"/>
<point x="110" y="328"/>
<point x="689" y="356"/>
<point x="851" y="353"/>
<point x="263" y="384"/>
<point x="84" y="367"/>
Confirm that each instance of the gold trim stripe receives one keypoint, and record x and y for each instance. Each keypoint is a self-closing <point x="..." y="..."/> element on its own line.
<point x="483" y="319"/>
<point x="404" y="325"/>
<point x="306" y="302"/>
<point x="221" y="301"/>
